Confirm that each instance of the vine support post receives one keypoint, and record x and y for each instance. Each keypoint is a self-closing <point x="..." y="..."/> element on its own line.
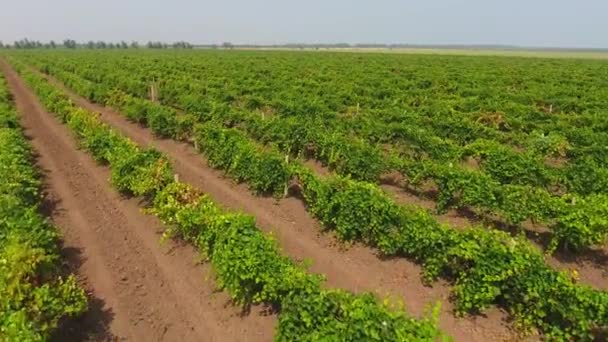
<point x="286" y="187"/>
<point x="153" y="90"/>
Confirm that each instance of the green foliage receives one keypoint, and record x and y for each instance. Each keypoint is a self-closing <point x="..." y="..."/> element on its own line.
<point x="355" y="142"/>
<point x="134" y="171"/>
<point x="185" y="127"/>
<point x="433" y="136"/>
<point x="520" y="202"/>
<point x="550" y="145"/>
<point x="587" y="176"/>
<point x="133" y="110"/>
<point x="162" y="120"/>
<point x="230" y="150"/>
<point x="351" y="157"/>
<point x="341" y="316"/>
<point x="584" y="224"/>
<point x="142" y="173"/>
<point x="460" y="188"/>
<point x="97" y="138"/>
<point x="355" y="210"/>
<point x="487" y="267"/>
<point x="247" y="263"/>
<point x="508" y="166"/>
<point x="34" y="297"/>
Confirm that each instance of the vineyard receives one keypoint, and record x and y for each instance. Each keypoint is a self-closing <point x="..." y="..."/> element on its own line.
<point x="34" y="292"/>
<point x="486" y="176"/>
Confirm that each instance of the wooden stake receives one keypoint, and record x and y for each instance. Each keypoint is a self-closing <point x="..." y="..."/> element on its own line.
<point x="153" y="91"/>
<point x="286" y="188"/>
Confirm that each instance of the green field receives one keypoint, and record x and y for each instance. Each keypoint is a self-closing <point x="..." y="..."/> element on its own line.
<point x="515" y="141"/>
<point x="497" y="52"/>
<point x="36" y="294"/>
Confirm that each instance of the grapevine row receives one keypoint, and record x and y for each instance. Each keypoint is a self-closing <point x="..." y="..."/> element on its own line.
<point x="434" y="130"/>
<point x="35" y="296"/>
<point x="486" y="267"/>
<point x="577" y="222"/>
<point x="248" y="264"/>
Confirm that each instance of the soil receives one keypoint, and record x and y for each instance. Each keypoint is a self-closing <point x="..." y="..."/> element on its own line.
<point x="139" y="289"/>
<point x="356" y="268"/>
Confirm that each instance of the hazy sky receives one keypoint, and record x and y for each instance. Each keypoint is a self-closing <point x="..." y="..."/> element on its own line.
<point x="565" y="23"/>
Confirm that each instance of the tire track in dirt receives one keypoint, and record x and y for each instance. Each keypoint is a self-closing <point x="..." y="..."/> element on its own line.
<point x="145" y="291"/>
<point x="356" y="268"/>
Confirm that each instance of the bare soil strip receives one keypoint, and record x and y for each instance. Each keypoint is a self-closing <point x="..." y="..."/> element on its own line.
<point x="141" y="291"/>
<point x="356" y="268"/>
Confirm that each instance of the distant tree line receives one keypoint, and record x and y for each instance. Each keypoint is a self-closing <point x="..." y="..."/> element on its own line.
<point x="110" y="45"/>
<point x="30" y="44"/>
<point x="72" y="44"/>
<point x="176" y="45"/>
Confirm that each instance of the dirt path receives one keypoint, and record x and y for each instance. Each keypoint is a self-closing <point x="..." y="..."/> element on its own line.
<point x="356" y="269"/>
<point x="141" y="291"/>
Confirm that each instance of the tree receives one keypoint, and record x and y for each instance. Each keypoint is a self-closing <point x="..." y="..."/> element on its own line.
<point x="123" y="44"/>
<point x="90" y="44"/>
<point x="27" y="44"/>
<point x="157" y="45"/>
<point x="100" y="44"/>
<point x="181" y="45"/>
<point x="227" y="45"/>
<point x="1" y="45"/>
<point x="134" y="45"/>
<point x="69" y="44"/>
<point x="52" y="44"/>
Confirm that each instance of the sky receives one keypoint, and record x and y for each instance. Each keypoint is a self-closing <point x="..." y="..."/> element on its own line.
<point x="533" y="23"/>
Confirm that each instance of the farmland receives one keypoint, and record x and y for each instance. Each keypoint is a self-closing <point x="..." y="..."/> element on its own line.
<point x="476" y="181"/>
<point x="35" y="293"/>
